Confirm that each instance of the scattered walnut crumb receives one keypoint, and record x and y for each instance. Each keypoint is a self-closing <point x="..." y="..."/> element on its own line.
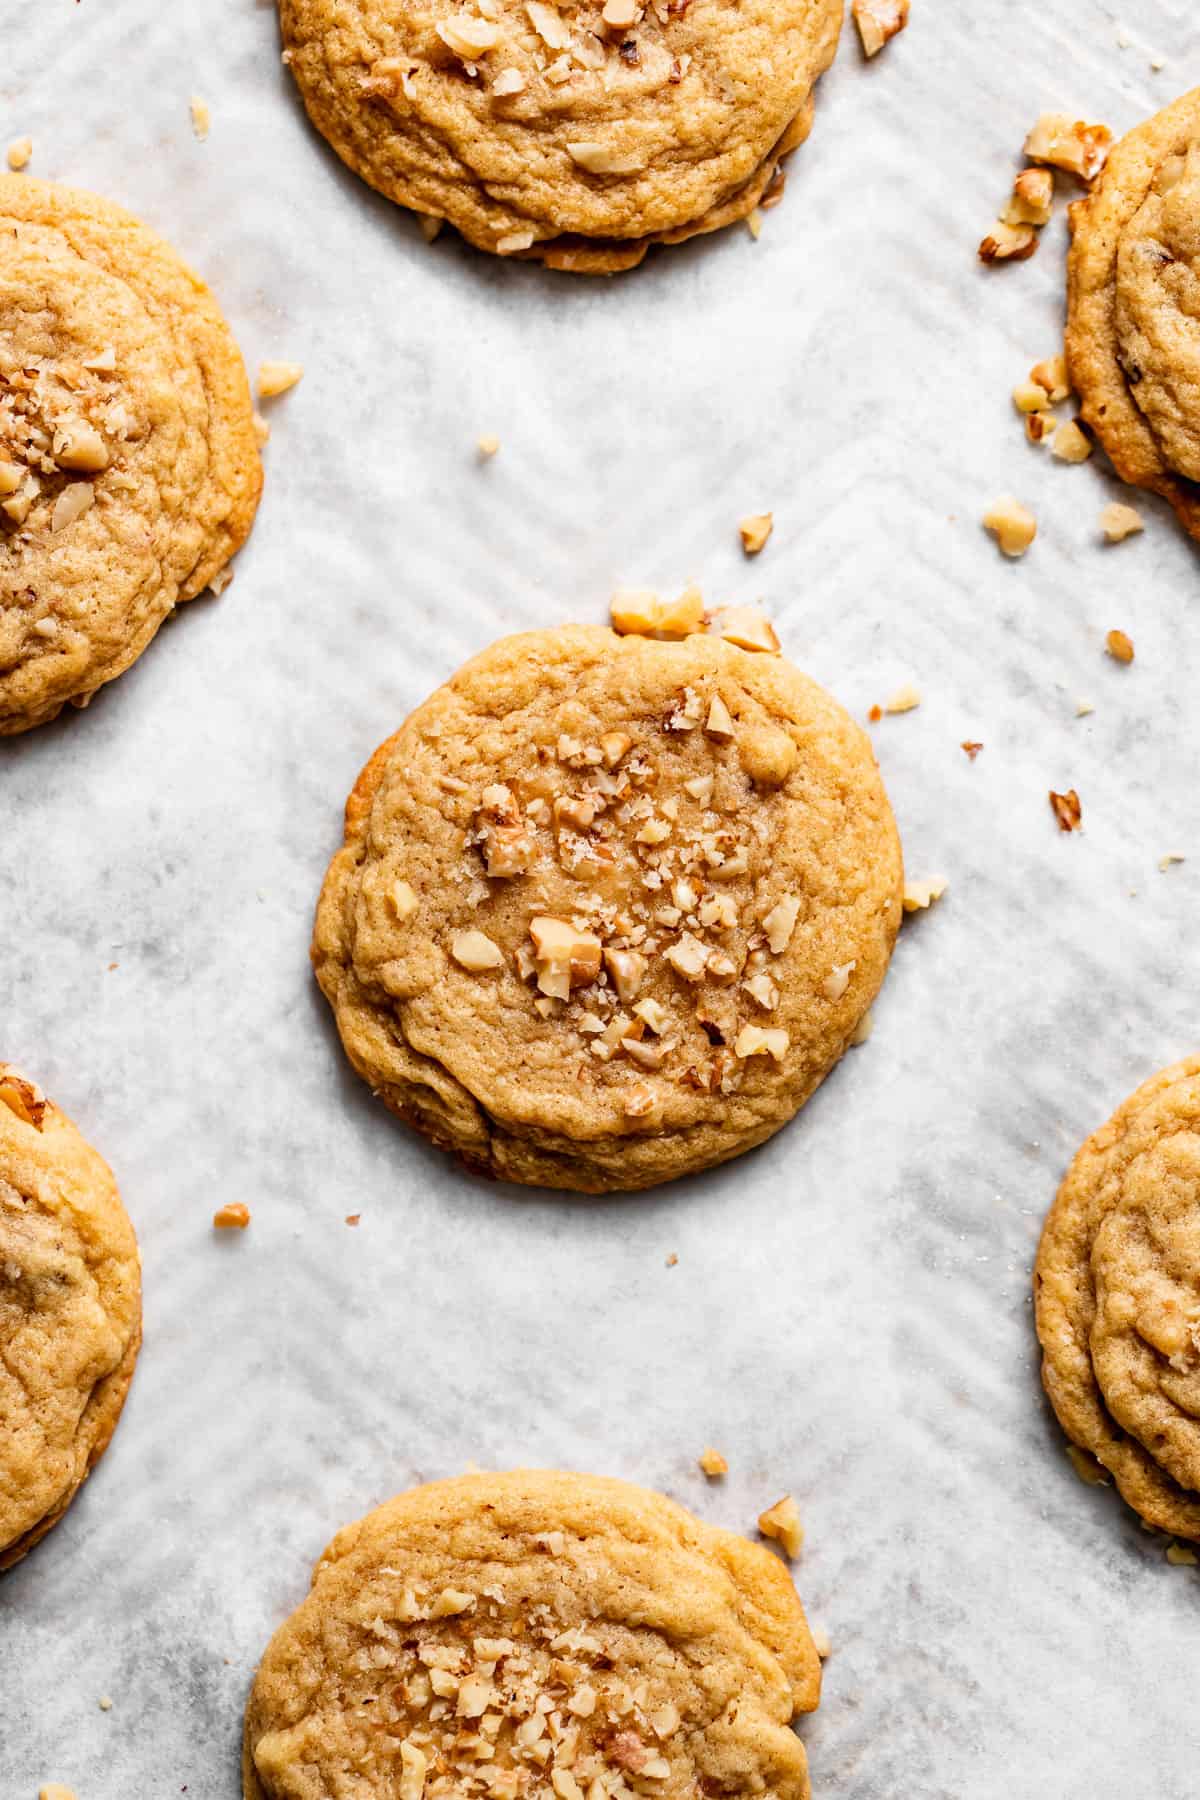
<point x="755" y="530"/>
<point x="746" y="626"/>
<point x="713" y="1464"/>
<point x="262" y="431"/>
<point x="1119" y="646"/>
<point x="105" y="1703"/>
<point x="512" y="243"/>
<point x="782" y="1522"/>
<point x="201" y="117"/>
<point x="276" y="378"/>
<point x="353" y="1218"/>
<point x="1069" y="144"/>
<point x="23" y="1098"/>
<point x="1067" y="810"/>
<point x="754" y="224"/>
<point x="1053" y="377"/>
<point x="20" y="153"/>
<point x="231" y="1217"/>
<point x="755" y="1040"/>
<point x="640" y="612"/>
<point x="972" y="747"/>
<point x="878" y="22"/>
<point x="1182" y="1556"/>
<point x="1170" y="859"/>
<point x="918" y="895"/>
<point x="1030" y="397"/>
<point x="487" y="447"/>
<point x="1083" y="709"/>
<point x="1086" y="1467"/>
<point x="863" y="1029"/>
<point x="821" y="1643"/>
<point x="1032" y="201"/>
<point x="1071" y="443"/>
<point x="1118" y="522"/>
<point x="1008" y="243"/>
<point x="1013" y="526"/>
<point x="54" y="1790"/>
<point x="672" y="1260"/>
<point x="905" y="699"/>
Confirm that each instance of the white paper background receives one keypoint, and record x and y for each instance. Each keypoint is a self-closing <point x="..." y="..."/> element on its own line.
<point x="849" y="1317"/>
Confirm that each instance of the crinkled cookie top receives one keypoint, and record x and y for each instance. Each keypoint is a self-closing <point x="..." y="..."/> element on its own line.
<point x="129" y="471"/>
<point x="535" y="1636"/>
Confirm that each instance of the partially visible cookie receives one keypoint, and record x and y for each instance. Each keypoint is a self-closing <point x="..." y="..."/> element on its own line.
<point x="535" y="1636"/>
<point x="70" y="1312"/>
<point x="129" y="466"/>
<point x="579" y="136"/>
<point x="1117" y="1289"/>
<point x="609" y="909"/>
<point x="1133" y="328"/>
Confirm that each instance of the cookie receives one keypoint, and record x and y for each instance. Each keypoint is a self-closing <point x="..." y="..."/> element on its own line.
<point x="1117" y="1290"/>
<point x="579" y="137"/>
<point x="129" y="466"/>
<point x="70" y="1312"/>
<point x="1133" y="330"/>
<point x="535" y="1634"/>
<point x="609" y="908"/>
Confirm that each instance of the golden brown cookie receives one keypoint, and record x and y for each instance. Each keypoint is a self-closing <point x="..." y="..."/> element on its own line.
<point x="577" y="135"/>
<point x="1117" y="1289"/>
<point x="610" y="908"/>
<point x="70" y="1312"/>
<point x="129" y="467"/>
<point x="533" y="1635"/>
<point x="1133" y="329"/>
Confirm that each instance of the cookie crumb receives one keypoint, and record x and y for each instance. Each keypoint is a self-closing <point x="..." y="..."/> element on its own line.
<point x="878" y="22"/>
<point x="971" y="747"/>
<point x="20" y="154"/>
<point x="905" y="699"/>
<point x="231" y="1217"/>
<point x="1067" y="810"/>
<point x="713" y="1464"/>
<point x="782" y="1522"/>
<point x="1182" y="1556"/>
<point x="755" y="530"/>
<point x="919" y="895"/>
<point x="276" y="378"/>
<point x="1119" y="522"/>
<point x="1012" y="525"/>
<point x="1119" y="646"/>
<point x="201" y="117"/>
<point x="54" y="1790"/>
<point x="1170" y="859"/>
<point x="1086" y="1467"/>
<point x="1083" y="709"/>
<point x="487" y="447"/>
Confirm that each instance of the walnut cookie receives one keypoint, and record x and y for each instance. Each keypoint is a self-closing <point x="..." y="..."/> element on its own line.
<point x="1117" y="1290"/>
<point x="535" y="1634"/>
<point x="70" y="1312"/>
<point x="578" y="133"/>
<point x="610" y="908"/>
<point x="1133" y="329"/>
<point x="129" y="467"/>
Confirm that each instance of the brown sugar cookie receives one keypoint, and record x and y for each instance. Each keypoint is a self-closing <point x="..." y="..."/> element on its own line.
<point x="1133" y="328"/>
<point x="129" y="466"/>
<point x="70" y="1312"/>
<point x="610" y="908"/>
<point x="535" y="1634"/>
<point x="1117" y="1289"/>
<point x="580" y="136"/>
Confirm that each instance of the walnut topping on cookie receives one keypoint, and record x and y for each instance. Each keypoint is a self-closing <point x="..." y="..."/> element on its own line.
<point x="563" y="1667"/>
<point x="630" y="911"/>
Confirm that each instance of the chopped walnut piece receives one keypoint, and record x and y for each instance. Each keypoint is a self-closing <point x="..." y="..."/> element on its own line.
<point x="619" y="15"/>
<point x="1119" y="646"/>
<point x="780" y="923"/>
<point x="1013" y="526"/>
<point x="756" y="1040"/>
<point x="1008" y="243"/>
<point x="1032" y="199"/>
<point x="640" y="611"/>
<point x="277" y="377"/>
<point x="718" y="913"/>
<point x="565" y="957"/>
<point x="201" y="117"/>
<point x="231" y="1217"/>
<point x="54" y="1790"/>
<point x="604" y="159"/>
<point x="1067" y="810"/>
<point x="1039" y="427"/>
<point x="918" y="895"/>
<point x="638" y="1102"/>
<point x="1118" y="522"/>
<point x="549" y="26"/>
<point x="79" y="446"/>
<point x="507" y="83"/>
<point x="821" y="1643"/>
<point x="863" y="1029"/>
<point x="972" y="747"/>
<point x="719" y="723"/>
<point x="1052" y="375"/>
<point x="1030" y="397"/>
<point x="468" y="35"/>
<point x="656" y="1016"/>
<point x="487" y="447"/>
<point x="413" y="1766"/>
<point x="1071" y="443"/>
<point x="20" y="153"/>
<point x="762" y="990"/>
<point x="403" y="900"/>
<point x="905" y="699"/>
<point x="505" y="841"/>
<point x="1182" y="1556"/>
<point x="755" y="530"/>
<point x="1069" y="144"/>
<point x="262" y="431"/>
<point x="628" y="971"/>
<point x="878" y="22"/>
<point x="688" y="956"/>
<point x="713" y="1464"/>
<point x="782" y="1522"/>
<point x="475" y="951"/>
<point x="11" y="476"/>
<point x="71" y="504"/>
<point x="614" y="745"/>
<point x="1093" y="1473"/>
<point x="748" y="627"/>
<point x="837" y="980"/>
<point x="23" y="1098"/>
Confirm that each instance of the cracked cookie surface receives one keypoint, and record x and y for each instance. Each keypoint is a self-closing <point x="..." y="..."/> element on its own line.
<point x="609" y="908"/>
<point x="129" y="466"/>
<point x="1117" y="1289"/>
<point x="577" y="134"/>
<point x="70" y="1312"/>
<point x="1133" y="330"/>
<point x="535" y="1634"/>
